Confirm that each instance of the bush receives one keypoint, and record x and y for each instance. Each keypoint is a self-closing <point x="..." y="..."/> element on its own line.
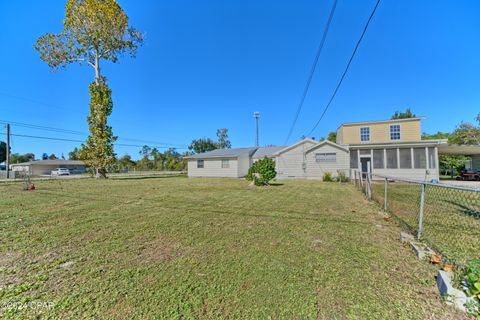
<point x="341" y="176"/>
<point x="327" y="177"/>
<point x="262" y="172"/>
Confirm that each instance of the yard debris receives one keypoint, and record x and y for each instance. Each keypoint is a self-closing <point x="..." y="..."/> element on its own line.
<point x="66" y="265"/>
<point x="435" y="258"/>
<point x="448" y="267"/>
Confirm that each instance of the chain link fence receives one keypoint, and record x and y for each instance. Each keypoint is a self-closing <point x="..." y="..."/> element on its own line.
<point x="445" y="217"/>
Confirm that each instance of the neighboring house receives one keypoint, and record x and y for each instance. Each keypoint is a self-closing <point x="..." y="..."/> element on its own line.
<point x="233" y="163"/>
<point x="390" y="147"/>
<point x="45" y="167"/>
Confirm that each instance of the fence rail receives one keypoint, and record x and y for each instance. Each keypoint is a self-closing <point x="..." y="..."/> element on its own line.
<point x="445" y="217"/>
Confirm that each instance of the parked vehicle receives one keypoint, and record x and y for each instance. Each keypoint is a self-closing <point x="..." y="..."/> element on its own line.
<point x="60" y="172"/>
<point x="469" y="175"/>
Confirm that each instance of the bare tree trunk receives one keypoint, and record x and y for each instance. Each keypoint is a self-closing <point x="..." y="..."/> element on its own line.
<point x="97" y="70"/>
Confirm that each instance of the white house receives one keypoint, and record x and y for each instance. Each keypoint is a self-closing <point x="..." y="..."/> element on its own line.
<point x="391" y="148"/>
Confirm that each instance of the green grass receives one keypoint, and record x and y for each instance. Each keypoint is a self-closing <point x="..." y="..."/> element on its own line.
<point x="451" y="221"/>
<point x="173" y="247"/>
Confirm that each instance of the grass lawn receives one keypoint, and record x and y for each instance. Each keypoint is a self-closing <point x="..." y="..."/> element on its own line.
<point x="173" y="247"/>
<point x="451" y="220"/>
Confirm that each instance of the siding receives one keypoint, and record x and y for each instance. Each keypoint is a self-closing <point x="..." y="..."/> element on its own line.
<point x="289" y="164"/>
<point x="316" y="170"/>
<point x="380" y="132"/>
<point x="413" y="174"/>
<point x="213" y="168"/>
<point x="244" y="163"/>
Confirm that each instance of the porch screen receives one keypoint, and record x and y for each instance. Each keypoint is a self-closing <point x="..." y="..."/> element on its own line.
<point x="431" y="158"/>
<point x="392" y="161"/>
<point x="378" y="159"/>
<point x="353" y="159"/>
<point x="419" y="158"/>
<point x="405" y="158"/>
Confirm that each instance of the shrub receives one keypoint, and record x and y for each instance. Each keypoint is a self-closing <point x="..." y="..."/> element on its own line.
<point x="327" y="177"/>
<point x="470" y="280"/>
<point x="341" y="176"/>
<point x="262" y="172"/>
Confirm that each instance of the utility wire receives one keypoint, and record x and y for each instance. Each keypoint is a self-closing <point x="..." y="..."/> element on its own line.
<point x="80" y="141"/>
<point x="67" y="131"/>
<point x="312" y="70"/>
<point x="346" y="69"/>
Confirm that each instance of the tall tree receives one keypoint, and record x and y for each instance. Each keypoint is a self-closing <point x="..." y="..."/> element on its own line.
<point x="3" y="151"/>
<point x="19" y="158"/>
<point x="466" y="133"/>
<point x="223" y="142"/>
<point x="44" y="156"/>
<point x="202" y="145"/>
<point x="332" y="136"/>
<point x="52" y="157"/>
<point x="403" y="114"/>
<point x="93" y="30"/>
<point x="74" y="154"/>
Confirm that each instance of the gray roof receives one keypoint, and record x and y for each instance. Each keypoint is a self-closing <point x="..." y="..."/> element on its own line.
<point x="51" y="162"/>
<point x="224" y="153"/>
<point x="266" y="152"/>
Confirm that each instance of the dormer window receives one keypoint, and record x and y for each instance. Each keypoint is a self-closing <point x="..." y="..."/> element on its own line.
<point x="365" y="134"/>
<point x="395" y="132"/>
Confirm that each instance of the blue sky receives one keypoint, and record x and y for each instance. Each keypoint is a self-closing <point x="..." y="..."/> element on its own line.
<point x="210" y="64"/>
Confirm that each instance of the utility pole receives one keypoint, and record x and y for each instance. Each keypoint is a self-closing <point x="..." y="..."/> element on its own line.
<point x="7" y="162"/>
<point x="256" y="115"/>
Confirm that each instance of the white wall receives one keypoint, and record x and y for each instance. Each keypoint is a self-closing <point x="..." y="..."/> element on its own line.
<point x="244" y="163"/>
<point x="289" y="164"/>
<point x="213" y="168"/>
<point x="316" y="170"/>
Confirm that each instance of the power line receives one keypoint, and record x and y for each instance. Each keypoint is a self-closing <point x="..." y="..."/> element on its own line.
<point x="312" y="70"/>
<point x="80" y="141"/>
<point x="346" y="69"/>
<point x="67" y="131"/>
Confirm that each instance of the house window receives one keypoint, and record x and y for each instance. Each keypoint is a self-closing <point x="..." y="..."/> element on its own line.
<point x="200" y="164"/>
<point x="395" y="132"/>
<point x="326" y="157"/>
<point x="365" y="134"/>
<point x="225" y="164"/>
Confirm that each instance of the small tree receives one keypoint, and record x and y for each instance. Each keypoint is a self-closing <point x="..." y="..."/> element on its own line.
<point x="332" y="136"/>
<point x="223" y="142"/>
<point x="262" y="172"/>
<point x="202" y="145"/>
<point x="403" y="115"/>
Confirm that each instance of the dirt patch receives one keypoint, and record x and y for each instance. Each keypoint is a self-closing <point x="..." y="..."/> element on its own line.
<point x="160" y="249"/>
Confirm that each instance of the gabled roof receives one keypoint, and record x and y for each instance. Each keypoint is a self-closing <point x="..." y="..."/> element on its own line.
<point x="266" y="152"/>
<point x="51" y="162"/>
<point x="224" y="153"/>
<point x="295" y="145"/>
<point x="324" y="142"/>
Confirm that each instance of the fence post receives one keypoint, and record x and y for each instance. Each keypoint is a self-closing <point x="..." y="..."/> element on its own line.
<point x="361" y="180"/>
<point x="385" y="196"/>
<point x="420" y="213"/>
<point x="368" y="191"/>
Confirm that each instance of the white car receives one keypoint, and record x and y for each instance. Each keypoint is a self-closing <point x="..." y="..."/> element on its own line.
<point x="60" y="172"/>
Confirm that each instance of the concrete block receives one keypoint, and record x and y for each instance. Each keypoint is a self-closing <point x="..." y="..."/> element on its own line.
<point x="406" y="237"/>
<point x="421" y="250"/>
<point x="453" y="296"/>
